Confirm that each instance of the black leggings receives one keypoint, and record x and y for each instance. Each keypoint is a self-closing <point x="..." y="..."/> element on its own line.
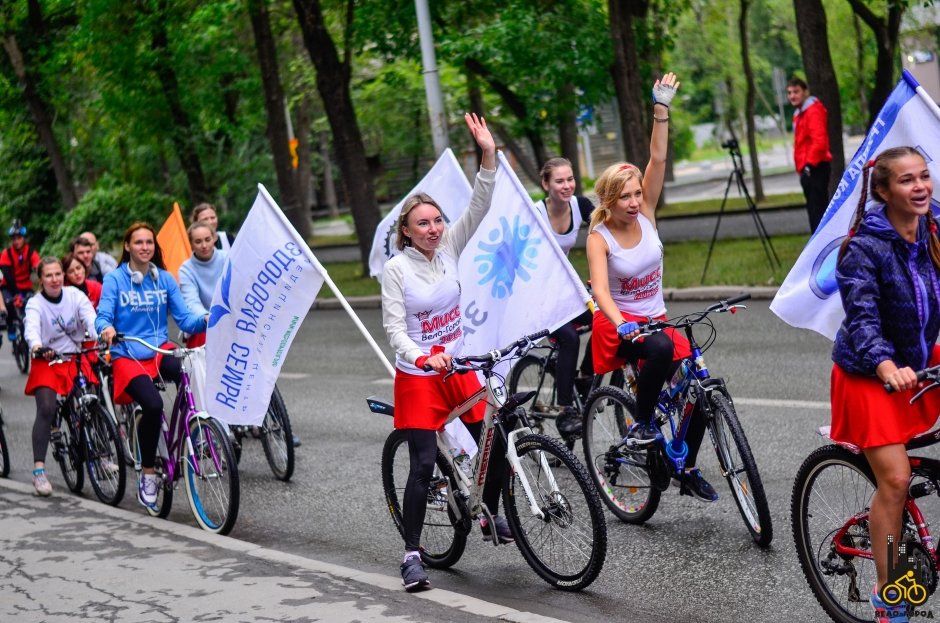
<point x="146" y="395"/>
<point x="656" y="351"/>
<point x="46" y="406"/>
<point x="422" y="448"/>
<point x="569" y="343"/>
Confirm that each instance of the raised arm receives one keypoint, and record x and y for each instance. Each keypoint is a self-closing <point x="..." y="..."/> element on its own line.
<point x="654" y="176"/>
<point x="465" y="226"/>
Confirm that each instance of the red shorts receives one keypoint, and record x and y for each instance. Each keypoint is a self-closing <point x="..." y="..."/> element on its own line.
<point x="57" y="378"/>
<point x="426" y="401"/>
<point x="865" y="415"/>
<point x="197" y="340"/>
<point x="124" y="370"/>
<point x="605" y="342"/>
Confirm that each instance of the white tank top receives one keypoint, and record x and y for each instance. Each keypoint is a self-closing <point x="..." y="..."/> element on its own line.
<point x="566" y="240"/>
<point x="635" y="276"/>
<point x="432" y="313"/>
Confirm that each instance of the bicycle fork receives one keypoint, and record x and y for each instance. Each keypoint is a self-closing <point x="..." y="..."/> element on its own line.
<point x="516" y="463"/>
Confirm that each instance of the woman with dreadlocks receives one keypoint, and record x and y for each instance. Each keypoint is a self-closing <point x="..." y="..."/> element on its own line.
<point x="887" y="276"/>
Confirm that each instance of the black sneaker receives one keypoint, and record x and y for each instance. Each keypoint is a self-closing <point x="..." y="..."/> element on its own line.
<point x="503" y="533"/>
<point x="569" y="422"/>
<point x="413" y="576"/>
<point x="694" y="484"/>
<point x="643" y="431"/>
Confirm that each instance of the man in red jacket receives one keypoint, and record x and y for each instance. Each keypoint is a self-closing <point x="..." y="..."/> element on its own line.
<point x="17" y="263"/>
<point x="811" y="148"/>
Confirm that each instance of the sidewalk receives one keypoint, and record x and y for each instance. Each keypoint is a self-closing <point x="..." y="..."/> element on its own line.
<point x="65" y="558"/>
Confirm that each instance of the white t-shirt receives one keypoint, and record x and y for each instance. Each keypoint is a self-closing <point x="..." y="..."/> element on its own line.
<point x="60" y="326"/>
<point x="566" y="240"/>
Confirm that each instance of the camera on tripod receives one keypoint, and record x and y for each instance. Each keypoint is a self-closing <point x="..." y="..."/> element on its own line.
<point x="731" y="143"/>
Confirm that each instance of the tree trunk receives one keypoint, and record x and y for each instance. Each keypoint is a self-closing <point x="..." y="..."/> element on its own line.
<point x="305" y="188"/>
<point x="886" y="30"/>
<point x="750" y="104"/>
<point x="476" y="105"/>
<point x="183" y="133"/>
<point x="628" y="80"/>
<point x="277" y="118"/>
<point x="817" y="62"/>
<point x="568" y="132"/>
<point x="333" y="86"/>
<point x="42" y="119"/>
<point x="329" y="187"/>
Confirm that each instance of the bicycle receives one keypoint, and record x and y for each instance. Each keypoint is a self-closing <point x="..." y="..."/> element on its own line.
<point x="4" y="451"/>
<point x="195" y="447"/>
<point x="84" y="435"/>
<point x="275" y="435"/>
<point x="631" y="475"/>
<point x="829" y="512"/>
<point x="546" y="507"/>
<point x="20" y="348"/>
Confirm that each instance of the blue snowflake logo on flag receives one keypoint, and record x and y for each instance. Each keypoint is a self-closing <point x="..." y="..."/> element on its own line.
<point x="510" y="253"/>
<point x="219" y="311"/>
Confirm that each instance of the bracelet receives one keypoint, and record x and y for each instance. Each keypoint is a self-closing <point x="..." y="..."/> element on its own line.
<point x="660" y="119"/>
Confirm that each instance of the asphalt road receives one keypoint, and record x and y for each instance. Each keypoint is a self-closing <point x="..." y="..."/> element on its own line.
<point x="691" y="562"/>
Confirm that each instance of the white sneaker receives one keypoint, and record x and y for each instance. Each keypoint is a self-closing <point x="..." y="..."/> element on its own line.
<point x="147" y="490"/>
<point x="41" y="483"/>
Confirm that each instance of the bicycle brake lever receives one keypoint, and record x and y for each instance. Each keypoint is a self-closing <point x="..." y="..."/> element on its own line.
<point x="923" y="391"/>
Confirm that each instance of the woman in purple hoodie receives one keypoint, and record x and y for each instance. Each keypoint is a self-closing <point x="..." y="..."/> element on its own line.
<point x="887" y="276"/>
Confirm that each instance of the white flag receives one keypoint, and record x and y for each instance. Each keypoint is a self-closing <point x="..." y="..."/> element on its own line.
<point x="269" y="282"/>
<point x="446" y="183"/>
<point x="809" y="297"/>
<point x="514" y="277"/>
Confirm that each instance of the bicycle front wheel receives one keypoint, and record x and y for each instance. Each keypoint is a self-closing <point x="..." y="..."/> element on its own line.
<point x="277" y="439"/>
<point x="211" y="476"/>
<point x="740" y="469"/>
<point x="621" y="474"/>
<point x="21" y="353"/>
<point x="4" y="452"/>
<point x="565" y="540"/>
<point x="104" y="456"/>
<point x="832" y="486"/>
<point x="536" y="374"/>
<point x="443" y="535"/>
<point x="68" y="454"/>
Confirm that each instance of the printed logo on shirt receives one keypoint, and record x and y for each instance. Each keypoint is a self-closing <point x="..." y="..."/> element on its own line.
<point x="641" y="287"/>
<point x="423" y="315"/>
<point x="443" y="328"/>
<point x="143" y="299"/>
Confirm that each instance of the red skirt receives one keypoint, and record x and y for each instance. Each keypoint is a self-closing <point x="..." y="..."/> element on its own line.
<point x="866" y="416"/>
<point x="124" y="370"/>
<point x="605" y="342"/>
<point x="58" y="377"/>
<point x="425" y="401"/>
<point x="197" y="340"/>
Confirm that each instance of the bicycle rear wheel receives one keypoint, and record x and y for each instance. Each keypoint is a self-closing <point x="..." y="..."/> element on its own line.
<point x="277" y="438"/>
<point x="4" y="452"/>
<point x="740" y="469"/>
<point x="443" y="535"/>
<point x="621" y="474"/>
<point x="213" y="491"/>
<point x="104" y="458"/>
<point x="68" y="453"/>
<point x="565" y="544"/>
<point x="537" y="374"/>
<point x="831" y="487"/>
<point x="126" y="416"/>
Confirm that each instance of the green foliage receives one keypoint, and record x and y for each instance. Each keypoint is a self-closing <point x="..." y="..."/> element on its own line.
<point x="109" y="212"/>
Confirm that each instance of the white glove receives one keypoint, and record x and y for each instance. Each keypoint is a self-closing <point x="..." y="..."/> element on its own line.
<point x="663" y="94"/>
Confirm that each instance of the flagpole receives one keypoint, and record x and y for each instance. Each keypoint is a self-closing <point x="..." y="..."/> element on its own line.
<point x="329" y="281"/>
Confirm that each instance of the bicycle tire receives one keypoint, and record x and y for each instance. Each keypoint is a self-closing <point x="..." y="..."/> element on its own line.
<point x="126" y="426"/>
<point x="104" y="456"/>
<point x="573" y="515"/>
<point x="21" y="352"/>
<point x="736" y="459"/>
<point x="832" y="485"/>
<point x="621" y="475"/>
<point x="277" y="438"/>
<point x="68" y="453"/>
<point x="164" y="501"/>
<point x="214" y="492"/>
<point x="4" y="451"/>
<point x="443" y="535"/>
<point x="532" y="374"/>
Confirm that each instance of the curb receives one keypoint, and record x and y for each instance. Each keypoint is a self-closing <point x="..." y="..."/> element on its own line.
<point x="702" y="293"/>
<point x="446" y="598"/>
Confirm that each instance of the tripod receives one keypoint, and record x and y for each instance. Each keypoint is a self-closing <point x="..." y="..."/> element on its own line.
<point x="737" y="176"/>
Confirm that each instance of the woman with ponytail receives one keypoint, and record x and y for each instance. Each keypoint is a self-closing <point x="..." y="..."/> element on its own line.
<point x="625" y="257"/>
<point x="887" y="277"/>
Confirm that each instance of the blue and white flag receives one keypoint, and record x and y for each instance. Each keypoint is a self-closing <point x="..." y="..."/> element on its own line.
<point x="809" y="297"/>
<point x="269" y="282"/>
<point x="446" y="183"/>
<point x="514" y="277"/>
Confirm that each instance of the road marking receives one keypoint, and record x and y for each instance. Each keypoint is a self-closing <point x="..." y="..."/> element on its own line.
<point x="292" y="375"/>
<point x="384" y="381"/>
<point x="785" y="404"/>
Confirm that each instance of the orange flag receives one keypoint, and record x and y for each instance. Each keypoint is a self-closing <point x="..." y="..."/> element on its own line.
<point x="174" y="241"/>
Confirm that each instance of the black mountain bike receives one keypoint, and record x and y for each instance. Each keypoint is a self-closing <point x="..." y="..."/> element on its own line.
<point x="20" y="347"/>
<point x="275" y="435"/>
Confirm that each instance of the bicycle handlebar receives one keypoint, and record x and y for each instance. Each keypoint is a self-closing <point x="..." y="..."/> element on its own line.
<point x="922" y="375"/>
<point x="656" y="326"/>
<point x="178" y="352"/>
<point x="459" y="364"/>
